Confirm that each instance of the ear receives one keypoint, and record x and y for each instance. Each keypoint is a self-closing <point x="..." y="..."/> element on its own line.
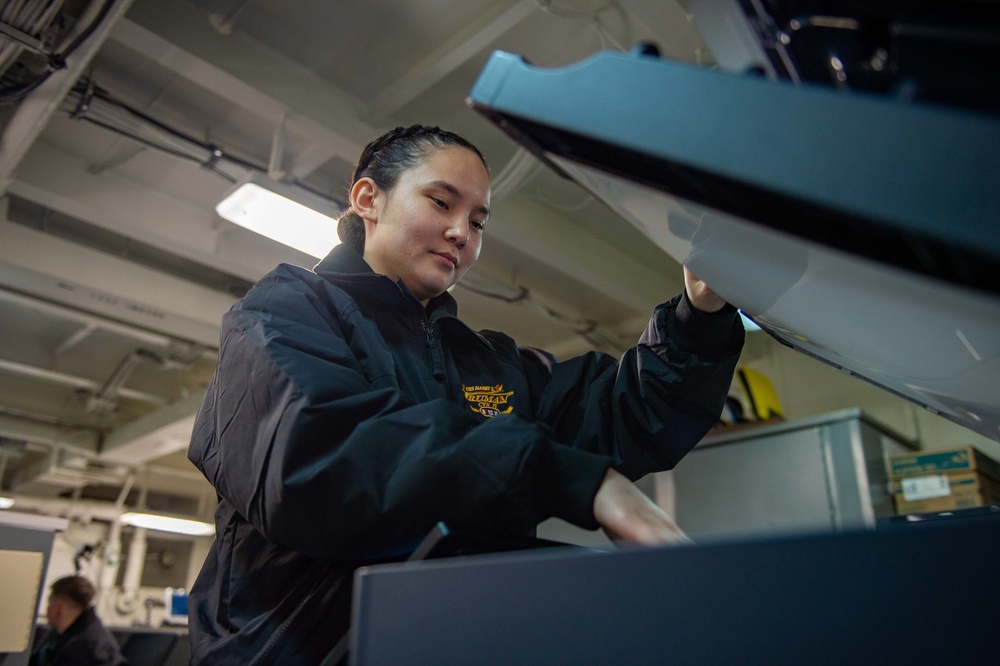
<point x="364" y="199"/>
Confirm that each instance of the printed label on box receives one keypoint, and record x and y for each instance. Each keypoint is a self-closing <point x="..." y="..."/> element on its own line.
<point x="925" y="487"/>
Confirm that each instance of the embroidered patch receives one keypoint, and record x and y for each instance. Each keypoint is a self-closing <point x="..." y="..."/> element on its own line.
<point x="488" y="400"/>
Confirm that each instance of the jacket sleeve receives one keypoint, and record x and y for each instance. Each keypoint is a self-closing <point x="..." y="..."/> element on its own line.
<point x="334" y="462"/>
<point x="650" y="408"/>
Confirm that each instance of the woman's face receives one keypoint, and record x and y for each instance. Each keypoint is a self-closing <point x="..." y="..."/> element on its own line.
<point x="427" y="230"/>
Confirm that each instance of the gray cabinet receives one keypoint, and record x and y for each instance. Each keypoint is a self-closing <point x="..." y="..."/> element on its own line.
<point x="825" y="473"/>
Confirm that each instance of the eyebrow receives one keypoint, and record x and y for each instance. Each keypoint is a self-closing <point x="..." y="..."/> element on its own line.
<point x="445" y="185"/>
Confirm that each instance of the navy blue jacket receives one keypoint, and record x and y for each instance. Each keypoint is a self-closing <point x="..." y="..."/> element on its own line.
<point x="345" y="420"/>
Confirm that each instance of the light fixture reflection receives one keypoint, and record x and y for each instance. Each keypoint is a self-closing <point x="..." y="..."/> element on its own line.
<point x="287" y="214"/>
<point x="6" y="502"/>
<point x="168" y="524"/>
<point x="748" y="324"/>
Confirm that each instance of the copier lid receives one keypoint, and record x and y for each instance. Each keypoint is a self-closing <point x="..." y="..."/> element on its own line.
<point x="856" y="228"/>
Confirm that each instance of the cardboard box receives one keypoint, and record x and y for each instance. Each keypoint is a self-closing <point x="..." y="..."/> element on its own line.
<point x="944" y="461"/>
<point x="964" y="490"/>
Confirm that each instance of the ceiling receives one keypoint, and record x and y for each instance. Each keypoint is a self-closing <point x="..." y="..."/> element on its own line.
<point x="115" y="269"/>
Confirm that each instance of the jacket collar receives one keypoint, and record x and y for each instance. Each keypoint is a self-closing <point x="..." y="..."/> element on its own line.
<point x="342" y="259"/>
<point x="86" y="618"/>
<point x="348" y="269"/>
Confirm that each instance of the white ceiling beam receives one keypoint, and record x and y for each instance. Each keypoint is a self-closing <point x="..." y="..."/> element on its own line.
<point x="557" y="241"/>
<point x="493" y="23"/>
<point x="60" y="181"/>
<point x="35" y="111"/>
<point x="51" y="435"/>
<point x="107" y="286"/>
<point x="151" y="437"/>
<point x="72" y="341"/>
<point x="249" y="74"/>
<point x="90" y="321"/>
<point x="326" y="143"/>
<point x="64" y="379"/>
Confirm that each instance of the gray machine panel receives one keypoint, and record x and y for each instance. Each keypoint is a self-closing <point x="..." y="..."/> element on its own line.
<point x="920" y="595"/>
<point x="858" y="229"/>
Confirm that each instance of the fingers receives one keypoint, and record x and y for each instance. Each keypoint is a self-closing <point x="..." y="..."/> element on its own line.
<point x="626" y="514"/>
<point x="700" y="294"/>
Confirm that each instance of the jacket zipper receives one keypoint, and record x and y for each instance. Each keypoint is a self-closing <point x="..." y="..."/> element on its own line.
<point x="437" y="356"/>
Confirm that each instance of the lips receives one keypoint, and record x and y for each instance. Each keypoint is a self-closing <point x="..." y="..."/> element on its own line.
<point x="449" y="258"/>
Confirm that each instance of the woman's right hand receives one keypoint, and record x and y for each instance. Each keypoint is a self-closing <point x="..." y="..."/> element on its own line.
<point x="626" y="514"/>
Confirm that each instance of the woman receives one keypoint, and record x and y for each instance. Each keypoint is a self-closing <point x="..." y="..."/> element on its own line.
<point x="352" y="410"/>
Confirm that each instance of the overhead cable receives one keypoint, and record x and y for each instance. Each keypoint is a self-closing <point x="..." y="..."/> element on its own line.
<point x="55" y="61"/>
<point x="90" y="102"/>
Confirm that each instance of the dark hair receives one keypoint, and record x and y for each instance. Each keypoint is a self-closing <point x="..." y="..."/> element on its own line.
<point x="77" y="589"/>
<point x="386" y="158"/>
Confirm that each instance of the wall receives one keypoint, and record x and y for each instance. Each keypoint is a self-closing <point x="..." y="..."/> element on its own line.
<point x="807" y="387"/>
<point x="191" y="551"/>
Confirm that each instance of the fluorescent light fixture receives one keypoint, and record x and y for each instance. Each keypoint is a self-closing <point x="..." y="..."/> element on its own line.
<point x="287" y="214"/>
<point x="6" y="502"/>
<point x="162" y="523"/>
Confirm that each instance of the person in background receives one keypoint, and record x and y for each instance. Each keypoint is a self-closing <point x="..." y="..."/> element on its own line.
<point x="351" y="411"/>
<point x="78" y="638"/>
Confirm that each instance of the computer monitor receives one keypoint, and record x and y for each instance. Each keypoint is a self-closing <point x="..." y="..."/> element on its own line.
<point x="175" y="609"/>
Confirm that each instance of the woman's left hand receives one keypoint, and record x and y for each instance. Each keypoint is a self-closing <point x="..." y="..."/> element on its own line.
<point x="700" y="294"/>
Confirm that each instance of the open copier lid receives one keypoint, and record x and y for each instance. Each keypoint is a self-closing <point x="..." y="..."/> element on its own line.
<point x="858" y="226"/>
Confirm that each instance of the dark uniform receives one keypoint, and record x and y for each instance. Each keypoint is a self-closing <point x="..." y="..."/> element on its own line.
<point x="345" y="420"/>
<point x="86" y="642"/>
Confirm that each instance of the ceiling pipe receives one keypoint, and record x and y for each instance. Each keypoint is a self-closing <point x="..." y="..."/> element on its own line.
<point x="128" y="600"/>
<point x="111" y="557"/>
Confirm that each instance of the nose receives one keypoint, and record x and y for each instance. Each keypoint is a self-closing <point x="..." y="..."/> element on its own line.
<point x="458" y="231"/>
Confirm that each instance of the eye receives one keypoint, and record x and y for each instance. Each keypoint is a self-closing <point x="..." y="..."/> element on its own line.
<point x="440" y="203"/>
<point x="478" y="225"/>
